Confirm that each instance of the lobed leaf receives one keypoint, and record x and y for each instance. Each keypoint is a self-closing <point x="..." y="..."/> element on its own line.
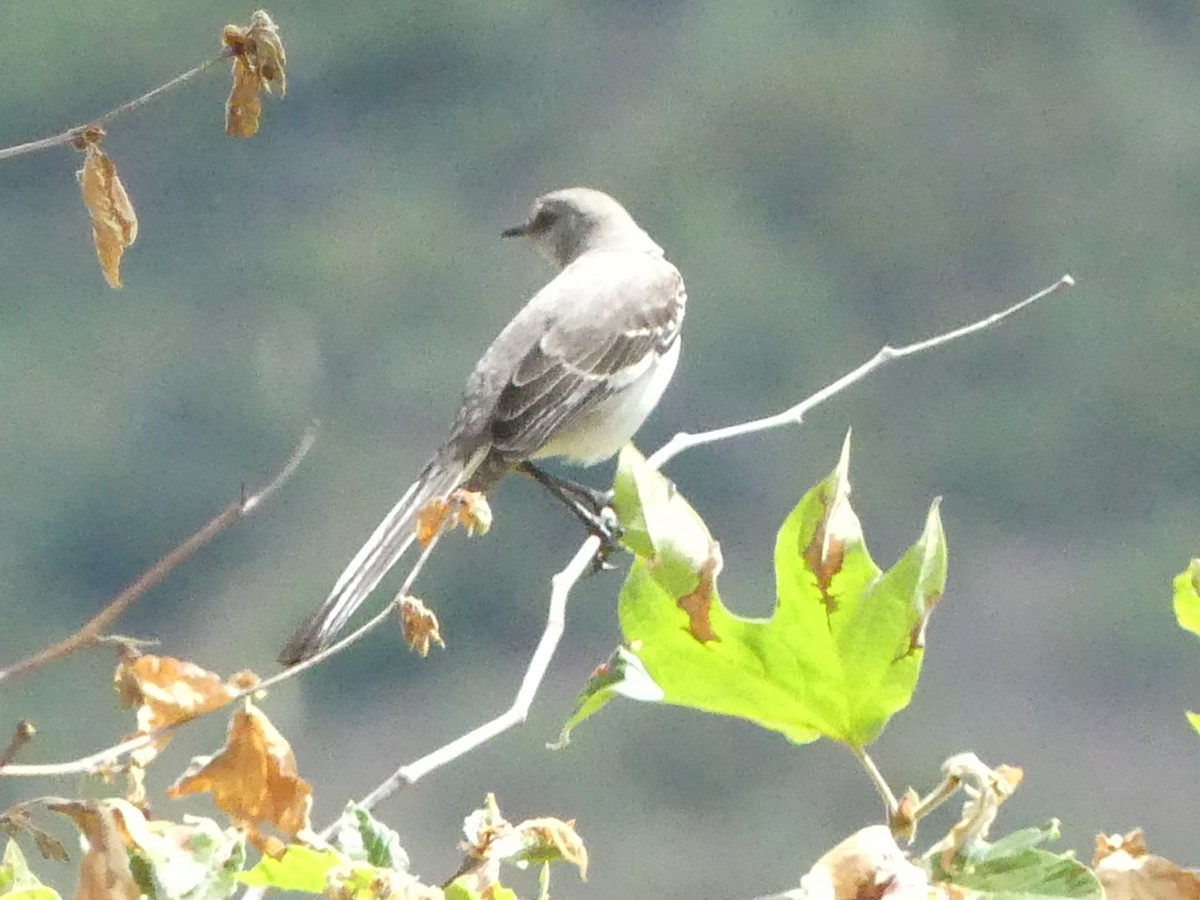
<point x="839" y="656"/>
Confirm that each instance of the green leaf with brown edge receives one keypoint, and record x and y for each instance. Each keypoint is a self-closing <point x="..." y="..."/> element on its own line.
<point x="843" y="649"/>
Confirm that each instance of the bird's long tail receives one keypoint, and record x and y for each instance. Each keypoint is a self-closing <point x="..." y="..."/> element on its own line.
<point x="381" y="551"/>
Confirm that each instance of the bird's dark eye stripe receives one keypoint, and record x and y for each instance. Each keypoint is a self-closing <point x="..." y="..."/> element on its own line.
<point x="544" y="219"/>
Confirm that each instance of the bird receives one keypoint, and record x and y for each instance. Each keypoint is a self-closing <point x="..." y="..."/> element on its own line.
<point x="573" y="375"/>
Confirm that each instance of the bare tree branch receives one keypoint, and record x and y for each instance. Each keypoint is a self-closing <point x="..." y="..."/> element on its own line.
<point x="561" y="585"/>
<point x="794" y="415"/>
<point x="92" y="631"/>
<point x="107" y="757"/>
<point x="71" y="134"/>
<point x="22" y="735"/>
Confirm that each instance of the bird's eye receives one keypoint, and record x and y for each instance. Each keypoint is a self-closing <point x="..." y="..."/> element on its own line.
<point x="543" y="220"/>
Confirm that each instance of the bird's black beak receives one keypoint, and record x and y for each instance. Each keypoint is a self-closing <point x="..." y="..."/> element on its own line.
<point x="521" y="230"/>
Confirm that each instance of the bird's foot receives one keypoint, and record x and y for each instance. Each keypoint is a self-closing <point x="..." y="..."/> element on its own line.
<point x="609" y="530"/>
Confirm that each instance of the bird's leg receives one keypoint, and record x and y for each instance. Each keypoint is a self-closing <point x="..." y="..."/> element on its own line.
<point x="592" y="507"/>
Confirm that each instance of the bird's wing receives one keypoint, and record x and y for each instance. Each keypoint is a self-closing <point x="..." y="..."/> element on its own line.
<point x="605" y="326"/>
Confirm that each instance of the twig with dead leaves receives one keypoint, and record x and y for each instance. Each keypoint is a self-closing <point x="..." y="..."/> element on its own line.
<point x="71" y="135"/>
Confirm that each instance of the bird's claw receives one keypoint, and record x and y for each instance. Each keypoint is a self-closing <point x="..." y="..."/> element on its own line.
<point x="609" y="530"/>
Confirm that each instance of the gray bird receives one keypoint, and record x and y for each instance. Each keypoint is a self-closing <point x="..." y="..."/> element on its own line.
<point x="573" y="375"/>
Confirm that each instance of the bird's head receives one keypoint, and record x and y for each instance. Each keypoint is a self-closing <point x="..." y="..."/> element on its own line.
<point x="565" y="224"/>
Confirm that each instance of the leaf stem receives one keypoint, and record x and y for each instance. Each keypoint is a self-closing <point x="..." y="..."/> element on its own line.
<point x="881" y="785"/>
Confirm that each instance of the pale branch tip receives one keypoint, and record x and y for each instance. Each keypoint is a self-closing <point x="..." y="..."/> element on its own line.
<point x="794" y="415"/>
<point x="516" y="714"/>
<point x="22" y="735"/>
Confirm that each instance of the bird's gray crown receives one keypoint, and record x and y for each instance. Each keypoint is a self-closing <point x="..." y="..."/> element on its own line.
<point x="568" y="223"/>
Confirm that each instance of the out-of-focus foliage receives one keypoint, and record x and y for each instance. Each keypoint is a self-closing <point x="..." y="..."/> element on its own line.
<point x="1187" y="610"/>
<point x="827" y="176"/>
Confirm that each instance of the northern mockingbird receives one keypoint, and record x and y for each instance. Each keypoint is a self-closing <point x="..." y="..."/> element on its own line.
<point x="573" y="375"/>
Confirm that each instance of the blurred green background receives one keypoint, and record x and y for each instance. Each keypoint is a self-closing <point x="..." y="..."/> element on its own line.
<point x="829" y="177"/>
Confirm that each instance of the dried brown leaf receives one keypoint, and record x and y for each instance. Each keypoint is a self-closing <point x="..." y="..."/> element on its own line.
<point x="1128" y="871"/>
<point x="104" y="872"/>
<point x="167" y="691"/>
<point x="547" y="839"/>
<point x="243" y="108"/>
<point x="253" y="780"/>
<point x="114" y="223"/>
<point x="419" y="625"/>
<point x="868" y="865"/>
<point x="259" y="63"/>
<point x="15" y="820"/>
<point x="491" y="840"/>
<point x="462" y="509"/>
<point x="986" y="789"/>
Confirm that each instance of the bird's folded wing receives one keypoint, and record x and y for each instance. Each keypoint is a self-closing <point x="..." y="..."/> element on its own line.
<point x="581" y="361"/>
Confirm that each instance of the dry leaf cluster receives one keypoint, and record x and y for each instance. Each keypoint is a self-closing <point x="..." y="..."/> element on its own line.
<point x="167" y="691"/>
<point x="419" y="626"/>
<point x="259" y="62"/>
<point x="1129" y="871"/>
<point x="491" y="840"/>
<point x="462" y="509"/>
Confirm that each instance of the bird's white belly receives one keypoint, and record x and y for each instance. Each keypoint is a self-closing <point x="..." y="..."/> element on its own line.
<point x="606" y="429"/>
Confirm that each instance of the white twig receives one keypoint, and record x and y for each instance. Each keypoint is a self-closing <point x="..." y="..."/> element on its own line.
<point x="794" y="415"/>
<point x="561" y="585"/>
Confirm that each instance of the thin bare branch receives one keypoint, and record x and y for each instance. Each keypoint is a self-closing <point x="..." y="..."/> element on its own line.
<point x="561" y="585"/>
<point x="111" y="755"/>
<point x="92" y="631"/>
<point x="794" y="415"/>
<point x="359" y="633"/>
<point x="71" y="134"/>
<point x="22" y="735"/>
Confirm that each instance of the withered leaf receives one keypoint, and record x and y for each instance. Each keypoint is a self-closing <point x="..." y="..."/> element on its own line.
<point x="548" y="839"/>
<point x="462" y="509"/>
<point x="243" y="108"/>
<point x="259" y="63"/>
<point x="104" y="872"/>
<point x="114" y="223"/>
<point x="1128" y="871"/>
<point x="419" y="625"/>
<point x="253" y="780"/>
<point x="491" y="839"/>
<point x="167" y="691"/>
<point x="868" y="864"/>
<point x="15" y="820"/>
